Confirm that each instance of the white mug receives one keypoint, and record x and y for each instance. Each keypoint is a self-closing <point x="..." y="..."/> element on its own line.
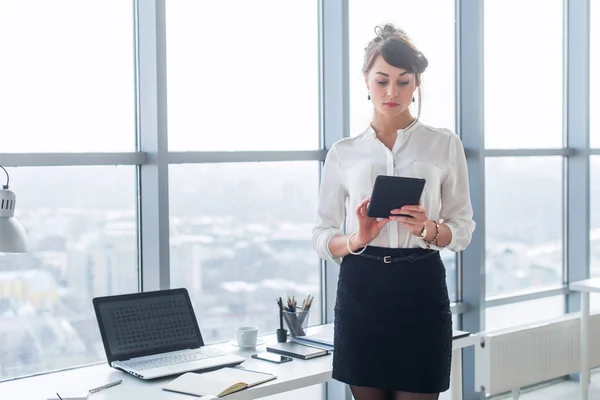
<point x="247" y="336"/>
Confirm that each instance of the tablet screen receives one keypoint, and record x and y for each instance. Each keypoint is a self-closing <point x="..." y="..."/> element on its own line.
<point x="391" y="192"/>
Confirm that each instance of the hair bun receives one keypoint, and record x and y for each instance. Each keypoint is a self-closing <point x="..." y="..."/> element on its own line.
<point x="389" y="30"/>
<point x="420" y="61"/>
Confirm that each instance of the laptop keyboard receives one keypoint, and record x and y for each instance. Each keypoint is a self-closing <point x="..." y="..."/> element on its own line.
<point x="199" y="354"/>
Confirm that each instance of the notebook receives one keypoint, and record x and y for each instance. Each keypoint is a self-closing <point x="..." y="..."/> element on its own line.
<point x="322" y="339"/>
<point x="218" y="383"/>
<point x="296" y="350"/>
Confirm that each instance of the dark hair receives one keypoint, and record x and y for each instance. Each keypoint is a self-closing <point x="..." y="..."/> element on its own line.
<point x="396" y="48"/>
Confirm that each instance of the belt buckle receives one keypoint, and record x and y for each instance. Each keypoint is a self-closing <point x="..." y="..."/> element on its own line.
<point x="387" y="259"/>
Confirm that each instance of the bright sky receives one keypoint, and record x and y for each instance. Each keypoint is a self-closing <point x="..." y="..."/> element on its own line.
<point x="250" y="83"/>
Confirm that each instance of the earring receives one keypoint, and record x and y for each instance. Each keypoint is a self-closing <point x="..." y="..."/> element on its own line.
<point x="413" y="99"/>
<point x="369" y="96"/>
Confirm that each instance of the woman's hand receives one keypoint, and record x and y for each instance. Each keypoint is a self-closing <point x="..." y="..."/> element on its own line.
<point x="415" y="224"/>
<point x="368" y="228"/>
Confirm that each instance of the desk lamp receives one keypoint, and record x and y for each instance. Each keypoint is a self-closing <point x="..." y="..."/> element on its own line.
<point x="13" y="238"/>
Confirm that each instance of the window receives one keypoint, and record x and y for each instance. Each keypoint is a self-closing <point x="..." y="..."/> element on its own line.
<point x="524" y="312"/>
<point x="67" y="79"/>
<point x="449" y="259"/>
<point x="432" y="33"/>
<point x="523" y="223"/>
<point x="523" y="73"/>
<point x="241" y="236"/>
<point x="240" y="83"/>
<point x="594" y="79"/>
<point x="595" y="216"/>
<point x="81" y="226"/>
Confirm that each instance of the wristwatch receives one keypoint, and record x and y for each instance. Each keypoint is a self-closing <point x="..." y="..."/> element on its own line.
<point x="424" y="231"/>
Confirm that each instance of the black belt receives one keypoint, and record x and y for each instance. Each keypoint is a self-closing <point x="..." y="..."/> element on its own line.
<point x="389" y="259"/>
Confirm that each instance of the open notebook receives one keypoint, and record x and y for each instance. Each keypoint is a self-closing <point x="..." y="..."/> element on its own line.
<point x="218" y="383"/>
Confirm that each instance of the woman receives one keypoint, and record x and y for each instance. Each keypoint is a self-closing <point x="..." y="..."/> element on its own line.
<point x="393" y="324"/>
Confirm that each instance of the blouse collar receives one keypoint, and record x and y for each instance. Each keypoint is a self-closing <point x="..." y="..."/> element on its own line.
<point x="401" y="132"/>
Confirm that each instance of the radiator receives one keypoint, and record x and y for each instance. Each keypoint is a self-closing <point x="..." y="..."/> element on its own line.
<point x="510" y="359"/>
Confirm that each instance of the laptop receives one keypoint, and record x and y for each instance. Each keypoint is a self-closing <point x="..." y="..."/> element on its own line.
<point x="155" y="334"/>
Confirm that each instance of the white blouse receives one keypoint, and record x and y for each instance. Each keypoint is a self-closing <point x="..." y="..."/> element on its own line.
<point x="420" y="151"/>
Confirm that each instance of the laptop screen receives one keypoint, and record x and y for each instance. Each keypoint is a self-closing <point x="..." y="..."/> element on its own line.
<point x="144" y="324"/>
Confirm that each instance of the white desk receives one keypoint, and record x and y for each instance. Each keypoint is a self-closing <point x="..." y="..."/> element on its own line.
<point x="290" y="376"/>
<point x="586" y="287"/>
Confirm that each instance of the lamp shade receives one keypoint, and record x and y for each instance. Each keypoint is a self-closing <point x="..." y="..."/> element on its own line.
<point x="13" y="238"/>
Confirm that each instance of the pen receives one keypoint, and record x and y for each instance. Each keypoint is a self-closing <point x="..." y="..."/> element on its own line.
<point x="59" y="396"/>
<point x="111" y="384"/>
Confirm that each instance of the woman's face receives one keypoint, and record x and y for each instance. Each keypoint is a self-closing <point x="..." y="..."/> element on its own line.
<point x="392" y="89"/>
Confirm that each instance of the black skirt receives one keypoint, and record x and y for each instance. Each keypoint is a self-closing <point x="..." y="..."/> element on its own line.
<point x="393" y="324"/>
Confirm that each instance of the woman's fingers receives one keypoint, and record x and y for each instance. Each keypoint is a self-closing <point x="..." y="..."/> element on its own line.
<point x="415" y="216"/>
<point x="358" y="210"/>
<point x="418" y="208"/>
<point x="406" y="209"/>
<point x="381" y="223"/>
<point x="361" y="210"/>
<point x="365" y="203"/>
<point x="408" y="220"/>
<point x="408" y="214"/>
<point x="418" y="214"/>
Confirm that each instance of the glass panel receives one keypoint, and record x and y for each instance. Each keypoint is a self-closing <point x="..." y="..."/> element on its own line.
<point x="455" y="321"/>
<point x="67" y="80"/>
<point x="594" y="79"/>
<point x="595" y="216"/>
<point x="261" y="74"/>
<point x="524" y="312"/>
<point x="523" y="214"/>
<point x="523" y="110"/>
<point x="241" y="237"/>
<point x="81" y="226"/>
<point x="416" y="18"/>
<point x="449" y="258"/>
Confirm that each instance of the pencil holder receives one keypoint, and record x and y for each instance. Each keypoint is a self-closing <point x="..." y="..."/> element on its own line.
<point x="296" y="322"/>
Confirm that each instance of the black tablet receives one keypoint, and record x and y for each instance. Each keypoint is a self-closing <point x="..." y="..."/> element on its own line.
<point x="391" y="192"/>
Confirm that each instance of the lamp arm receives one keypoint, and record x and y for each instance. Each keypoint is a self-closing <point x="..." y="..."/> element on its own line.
<point x="7" y="178"/>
